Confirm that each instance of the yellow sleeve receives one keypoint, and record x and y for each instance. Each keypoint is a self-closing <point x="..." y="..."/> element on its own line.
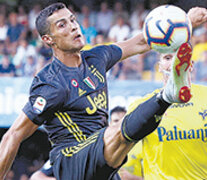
<point x="137" y="102"/>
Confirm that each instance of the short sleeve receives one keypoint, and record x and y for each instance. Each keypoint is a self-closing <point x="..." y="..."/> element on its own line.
<point x="44" y="100"/>
<point x="110" y="54"/>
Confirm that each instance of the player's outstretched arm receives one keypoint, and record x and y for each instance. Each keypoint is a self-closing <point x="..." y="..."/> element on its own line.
<point x="138" y="45"/>
<point x="135" y="45"/>
<point x="22" y="128"/>
<point x="197" y="16"/>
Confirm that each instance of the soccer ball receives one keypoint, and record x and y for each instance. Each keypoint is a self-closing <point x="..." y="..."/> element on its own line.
<point x="166" y="28"/>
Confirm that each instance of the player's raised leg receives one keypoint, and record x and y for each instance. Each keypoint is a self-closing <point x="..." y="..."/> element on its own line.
<point x="144" y="117"/>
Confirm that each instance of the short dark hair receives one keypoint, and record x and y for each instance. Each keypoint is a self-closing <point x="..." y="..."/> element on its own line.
<point x="118" y="109"/>
<point x="42" y="25"/>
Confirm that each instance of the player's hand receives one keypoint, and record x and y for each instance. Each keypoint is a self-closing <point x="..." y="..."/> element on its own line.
<point x="197" y="16"/>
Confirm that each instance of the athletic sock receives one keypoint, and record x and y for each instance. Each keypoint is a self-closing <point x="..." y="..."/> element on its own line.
<point x="144" y="119"/>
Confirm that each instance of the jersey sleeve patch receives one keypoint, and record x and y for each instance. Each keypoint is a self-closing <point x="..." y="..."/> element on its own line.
<point x="39" y="104"/>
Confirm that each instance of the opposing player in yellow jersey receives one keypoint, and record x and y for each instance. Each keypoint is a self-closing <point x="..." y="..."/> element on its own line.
<point x="177" y="149"/>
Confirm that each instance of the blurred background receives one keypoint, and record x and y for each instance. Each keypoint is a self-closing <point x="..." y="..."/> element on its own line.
<point x="22" y="55"/>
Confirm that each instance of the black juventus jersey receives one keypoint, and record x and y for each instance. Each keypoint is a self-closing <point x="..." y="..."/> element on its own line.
<point x="72" y="102"/>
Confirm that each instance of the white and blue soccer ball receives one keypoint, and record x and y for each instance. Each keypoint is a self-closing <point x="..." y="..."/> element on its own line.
<point x="166" y="28"/>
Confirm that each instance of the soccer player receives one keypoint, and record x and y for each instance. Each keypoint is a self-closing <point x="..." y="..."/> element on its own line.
<point x="69" y="97"/>
<point x="177" y="148"/>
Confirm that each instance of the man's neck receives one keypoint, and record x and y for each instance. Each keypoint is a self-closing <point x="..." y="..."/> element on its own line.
<point x="69" y="59"/>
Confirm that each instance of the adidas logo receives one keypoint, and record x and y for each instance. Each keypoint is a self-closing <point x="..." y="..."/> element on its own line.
<point x="81" y="92"/>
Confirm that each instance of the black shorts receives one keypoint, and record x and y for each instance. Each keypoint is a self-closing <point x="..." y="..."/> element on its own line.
<point x="85" y="161"/>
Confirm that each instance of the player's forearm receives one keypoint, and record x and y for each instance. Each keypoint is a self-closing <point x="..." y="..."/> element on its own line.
<point x="8" y="150"/>
<point x="133" y="46"/>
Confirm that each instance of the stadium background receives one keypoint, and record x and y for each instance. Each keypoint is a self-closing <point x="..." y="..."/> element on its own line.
<point x="127" y="81"/>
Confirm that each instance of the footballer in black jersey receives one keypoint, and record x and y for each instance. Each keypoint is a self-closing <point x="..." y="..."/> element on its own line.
<point x="69" y="98"/>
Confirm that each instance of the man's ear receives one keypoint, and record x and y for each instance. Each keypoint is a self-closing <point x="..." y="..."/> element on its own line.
<point x="47" y="39"/>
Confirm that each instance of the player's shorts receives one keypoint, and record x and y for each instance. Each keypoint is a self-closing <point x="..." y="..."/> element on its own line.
<point x="85" y="161"/>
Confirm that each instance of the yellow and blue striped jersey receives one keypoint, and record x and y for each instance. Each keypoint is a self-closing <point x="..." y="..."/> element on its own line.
<point x="177" y="149"/>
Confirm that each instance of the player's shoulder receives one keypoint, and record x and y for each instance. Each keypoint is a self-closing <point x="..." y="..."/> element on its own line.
<point x="51" y="72"/>
<point x="198" y="88"/>
<point x="99" y="50"/>
<point x="48" y="80"/>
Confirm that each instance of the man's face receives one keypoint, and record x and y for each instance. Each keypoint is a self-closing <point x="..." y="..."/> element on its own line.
<point x="65" y="31"/>
<point x="165" y="64"/>
<point x="116" y="117"/>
